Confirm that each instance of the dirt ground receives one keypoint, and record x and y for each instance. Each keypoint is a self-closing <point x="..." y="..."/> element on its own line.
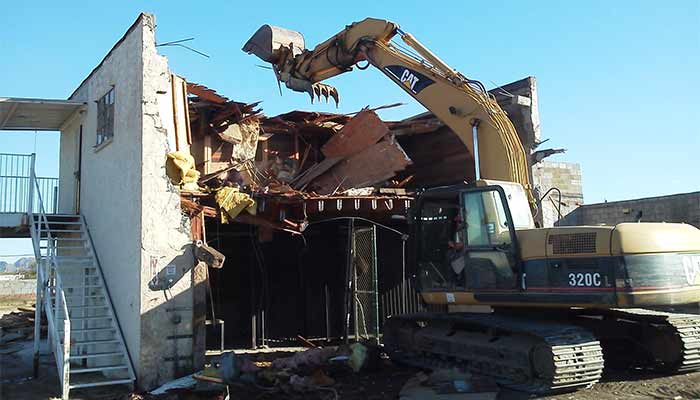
<point x="385" y="382"/>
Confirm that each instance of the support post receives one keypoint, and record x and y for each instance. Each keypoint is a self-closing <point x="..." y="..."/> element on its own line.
<point x="37" y="316"/>
<point x="66" y="356"/>
<point x="475" y="138"/>
<point x="348" y="280"/>
<point x="32" y="177"/>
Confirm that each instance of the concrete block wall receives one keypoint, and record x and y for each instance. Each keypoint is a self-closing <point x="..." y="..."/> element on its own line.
<point x="17" y="290"/>
<point x="565" y="176"/>
<point x="526" y="118"/>
<point x="683" y="207"/>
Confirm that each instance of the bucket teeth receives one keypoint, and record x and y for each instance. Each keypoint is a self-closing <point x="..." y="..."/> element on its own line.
<point x="319" y="90"/>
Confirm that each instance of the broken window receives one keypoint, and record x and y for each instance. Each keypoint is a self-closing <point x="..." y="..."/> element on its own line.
<point x="105" y="117"/>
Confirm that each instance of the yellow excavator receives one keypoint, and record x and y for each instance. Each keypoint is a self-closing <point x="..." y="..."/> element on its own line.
<point x="562" y="302"/>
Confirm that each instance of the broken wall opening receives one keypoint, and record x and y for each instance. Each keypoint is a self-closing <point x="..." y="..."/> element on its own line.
<point x="270" y="292"/>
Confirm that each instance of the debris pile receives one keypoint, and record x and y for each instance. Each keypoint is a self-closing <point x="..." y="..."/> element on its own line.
<point x="17" y="325"/>
<point x="357" y="371"/>
<point x="446" y="384"/>
<point x="277" y="172"/>
<point x="20" y="320"/>
<point x="313" y="373"/>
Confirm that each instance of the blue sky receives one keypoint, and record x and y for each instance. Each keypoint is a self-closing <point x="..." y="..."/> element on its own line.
<point x="618" y="81"/>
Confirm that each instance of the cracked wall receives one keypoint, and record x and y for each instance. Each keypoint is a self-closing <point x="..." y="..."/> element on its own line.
<point x="166" y="314"/>
<point x="132" y="210"/>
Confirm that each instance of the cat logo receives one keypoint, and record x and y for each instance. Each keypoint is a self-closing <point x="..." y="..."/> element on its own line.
<point x="413" y="81"/>
<point x="691" y="265"/>
<point x="408" y="79"/>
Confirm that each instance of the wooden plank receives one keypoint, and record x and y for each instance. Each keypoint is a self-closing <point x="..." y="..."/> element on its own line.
<point x="359" y="133"/>
<point x="316" y="170"/>
<point x="180" y="113"/>
<point x="367" y="168"/>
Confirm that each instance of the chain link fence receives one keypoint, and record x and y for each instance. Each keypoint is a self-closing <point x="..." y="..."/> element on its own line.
<point x="366" y="292"/>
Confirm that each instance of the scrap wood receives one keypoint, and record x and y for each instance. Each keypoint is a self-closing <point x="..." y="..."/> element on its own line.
<point x="212" y="175"/>
<point x="17" y="319"/>
<point x="315" y="171"/>
<point x="305" y="341"/>
<point x="205" y="93"/>
<point x="195" y="208"/>
<point x="367" y="168"/>
<point x="359" y="133"/>
<point x="404" y="181"/>
<point x="287" y="226"/>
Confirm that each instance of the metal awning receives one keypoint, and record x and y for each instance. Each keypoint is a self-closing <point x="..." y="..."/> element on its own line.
<point x="20" y="114"/>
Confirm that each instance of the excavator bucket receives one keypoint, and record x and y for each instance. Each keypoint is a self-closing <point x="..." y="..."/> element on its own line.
<point x="268" y="39"/>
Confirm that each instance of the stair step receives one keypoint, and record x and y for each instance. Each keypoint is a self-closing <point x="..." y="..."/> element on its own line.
<point x="57" y="222"/>
<point x="93" y="342"/>
<point x="82" y="287"/>
<point x="91" y="318"/>
<point x="67" y="239"/>
<point x="72" y="331"/>
<point x="101" y="383"/>
<point x="96" y="355"/>
<point x="98" y="369"/>
<point x="62" y="230"/>
<point x="86" y="307"/>
<point x="65" y="247"/>
<point x="101" y="296"/>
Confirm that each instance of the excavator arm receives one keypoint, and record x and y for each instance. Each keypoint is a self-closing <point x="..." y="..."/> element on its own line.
<point x="461" y="103"/>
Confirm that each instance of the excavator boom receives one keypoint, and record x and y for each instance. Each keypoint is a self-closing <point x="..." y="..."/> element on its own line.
<point x="474" y="244"/>
<point x="461" y="103"/>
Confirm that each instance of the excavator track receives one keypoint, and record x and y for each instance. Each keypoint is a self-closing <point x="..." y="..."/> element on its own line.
<point x="647" y="339"/>
<point x="528" y="355"/>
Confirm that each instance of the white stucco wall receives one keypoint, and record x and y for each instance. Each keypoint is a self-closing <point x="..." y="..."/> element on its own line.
<point x="110" y="192"/>
<point x="132" y="210"/>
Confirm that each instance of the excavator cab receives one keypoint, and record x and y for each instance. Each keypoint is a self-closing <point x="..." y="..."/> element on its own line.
<point x="465" y="236"/>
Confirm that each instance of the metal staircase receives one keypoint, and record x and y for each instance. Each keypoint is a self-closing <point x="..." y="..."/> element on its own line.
<point x="83" y="331"/>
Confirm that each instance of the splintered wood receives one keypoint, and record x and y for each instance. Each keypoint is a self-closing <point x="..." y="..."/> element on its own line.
<point x="363" y="153"/>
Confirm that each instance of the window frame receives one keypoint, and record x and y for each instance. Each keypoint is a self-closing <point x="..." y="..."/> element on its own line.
<point x="105" y="121"/>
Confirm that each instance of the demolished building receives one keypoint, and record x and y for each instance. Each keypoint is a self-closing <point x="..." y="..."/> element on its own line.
<point x="168" y="179"/>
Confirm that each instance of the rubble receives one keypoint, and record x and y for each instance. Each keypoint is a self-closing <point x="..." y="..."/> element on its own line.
<point x="18" y="325"/>
<point x="287" y="169"/>
<point x="447" y="384"/>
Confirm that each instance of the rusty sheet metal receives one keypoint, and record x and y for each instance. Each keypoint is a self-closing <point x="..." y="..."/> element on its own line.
<point x="359" y="133"/>
<point x="372" y="165"/>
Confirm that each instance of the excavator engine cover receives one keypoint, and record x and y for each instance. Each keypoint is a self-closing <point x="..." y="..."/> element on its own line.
<point x="268" y="39"/>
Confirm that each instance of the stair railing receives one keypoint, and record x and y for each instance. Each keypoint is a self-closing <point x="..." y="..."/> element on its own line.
<point x="48" y="285"/>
